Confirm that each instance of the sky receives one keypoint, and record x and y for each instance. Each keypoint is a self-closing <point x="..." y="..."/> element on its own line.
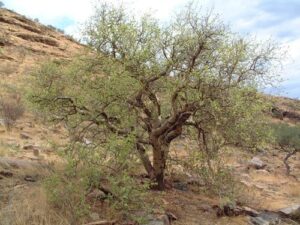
<point x="276" y="19"/>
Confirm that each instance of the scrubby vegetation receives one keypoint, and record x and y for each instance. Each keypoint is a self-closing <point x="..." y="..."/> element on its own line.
<point x="144" y="85"/>
<point x="151" y="116"/>
<point x="152" y="83"/>
<point x="11" y="109"/>
<point x="288" y="138"/>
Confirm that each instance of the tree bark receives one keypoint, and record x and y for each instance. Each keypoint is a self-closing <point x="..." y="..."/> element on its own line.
<point x="145" y="160"/>
<point x="160" y="152"/>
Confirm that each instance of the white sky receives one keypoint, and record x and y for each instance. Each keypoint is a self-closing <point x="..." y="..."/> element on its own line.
<point x="279" y="19"/>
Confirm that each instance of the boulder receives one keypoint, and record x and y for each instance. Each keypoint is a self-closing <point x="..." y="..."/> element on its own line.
<point x="292" y="212"/>
<point x="10" y="162"/>
<point x="256" y="163"/>
<point x="266" y="218"/>
<point x="258" y="221"/>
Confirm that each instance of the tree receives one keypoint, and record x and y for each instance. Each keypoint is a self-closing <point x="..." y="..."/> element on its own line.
<point x="288" y="138"/>
<point x="153" y="82"/>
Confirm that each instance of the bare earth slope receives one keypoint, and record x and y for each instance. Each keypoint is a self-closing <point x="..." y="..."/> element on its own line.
<point x="27" y="152"/>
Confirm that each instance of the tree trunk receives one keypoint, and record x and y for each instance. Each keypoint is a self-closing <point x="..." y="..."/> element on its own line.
<point x="160" y="152"/>
<point x="145" y="160"/>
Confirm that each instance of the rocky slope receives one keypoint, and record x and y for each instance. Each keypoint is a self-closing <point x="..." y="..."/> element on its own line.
<point x="28" y="150"/>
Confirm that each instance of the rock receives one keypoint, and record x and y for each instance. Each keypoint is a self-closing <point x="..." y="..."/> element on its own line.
<point x="161" y="220"/>
<point x="205" y="207"/>
<point x="249" y="211"/>
<point x="180" y="186"/>
<point x="258" y="221"/>
<point x="1" y="177"/>
<point x="292" y="212"/>
<point x="266" y="218"/>
<point x="10" y="162"/>
<point x="25" y="136"/>
<point x="97" y="194"/>
<point x="94" y="216"/>
<point x="233" y="210"/>
<point x="29" y="178"/>
<point x="87" y="141"/>
<point x="6" y="173"/>
<point x="256" y="163"/>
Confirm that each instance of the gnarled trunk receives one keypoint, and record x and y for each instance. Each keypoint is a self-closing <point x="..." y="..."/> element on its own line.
<point x="160" y="153"/>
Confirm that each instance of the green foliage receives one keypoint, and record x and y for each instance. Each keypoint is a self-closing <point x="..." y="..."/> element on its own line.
<point x="128" y="195"/>
<point x="147" y="82"/>
<point x="67" y="196"/>
<point x="287" y="136"/>
<point x="92" y="167"/>
<point x="218" y="178"/>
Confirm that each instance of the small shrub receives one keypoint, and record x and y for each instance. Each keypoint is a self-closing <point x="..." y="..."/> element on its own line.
<point x="68" y="196"/>
<point x="86" y="170"/>
<point x="128" y="195"/>
<point x="288" y="138"/>
<point x="217" y="178"/>
<point x="10" y="110"/>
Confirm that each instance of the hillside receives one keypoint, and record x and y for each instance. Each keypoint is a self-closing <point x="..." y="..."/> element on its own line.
<point x="28" y="152"/>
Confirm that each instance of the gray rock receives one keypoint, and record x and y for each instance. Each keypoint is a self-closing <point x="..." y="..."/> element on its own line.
<point x="180" y="186"/>
<point x="266" y="218"/>
<point x="257" y="163"/>
<point x="161" y="220"/>
<point x="292" y="212"/>
<point x="10" y="162"/>
<point x="258" y="221"/>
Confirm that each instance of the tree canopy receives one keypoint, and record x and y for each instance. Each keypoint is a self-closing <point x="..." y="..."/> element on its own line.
<point x="150" y="82"/>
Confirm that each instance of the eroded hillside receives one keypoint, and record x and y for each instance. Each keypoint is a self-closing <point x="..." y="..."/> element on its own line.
<point x="28" y="152"/>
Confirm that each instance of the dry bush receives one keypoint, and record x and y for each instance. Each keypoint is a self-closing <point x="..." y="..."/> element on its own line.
<point x="11" y="109"/>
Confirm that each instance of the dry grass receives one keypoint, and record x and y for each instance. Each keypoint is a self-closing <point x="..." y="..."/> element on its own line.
<point x="28" y="205"/>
